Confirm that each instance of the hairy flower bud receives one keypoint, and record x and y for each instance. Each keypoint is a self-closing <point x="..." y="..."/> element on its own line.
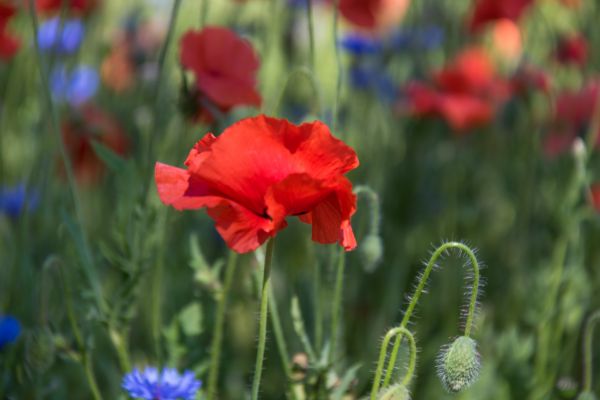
<point x="371" y="251"/>
<point x="396" y="392"/>
<point x="586" y="396"/>
<point x="459" y="364"/>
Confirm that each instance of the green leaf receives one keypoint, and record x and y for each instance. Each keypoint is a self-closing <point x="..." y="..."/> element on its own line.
<point x="190" y="319"/>
<point x="112" y="160"/>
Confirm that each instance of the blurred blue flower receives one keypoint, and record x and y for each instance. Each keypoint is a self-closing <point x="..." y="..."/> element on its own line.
<point x="422" y="38"/>
<point x="10" y="329"/>
<point x="358" y="44"/>
<point x="13" y="200"/>
<point x="151" y="384"/>
<point x="373" y="78"/>
<point x="63" y="39"/>
<point x="75" y="87"/>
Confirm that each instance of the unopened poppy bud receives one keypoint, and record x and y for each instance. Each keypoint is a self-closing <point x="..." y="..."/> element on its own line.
<point x="587" y="396"/>
<point x="396" y="392"/>
<point x="371" y="251"/>
<point x="459" y="364"/>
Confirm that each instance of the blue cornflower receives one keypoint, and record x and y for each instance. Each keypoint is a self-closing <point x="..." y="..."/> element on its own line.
<point x="63" y="39"/>
<point x="422" y="38"/>
<point x="375" y="78"/>
<point x="75" y="87"/>
<point x="10" y="329"/>
<point x="13" y="200"/>
<point x="166" y="385"/>
<point x="358" y="44"/>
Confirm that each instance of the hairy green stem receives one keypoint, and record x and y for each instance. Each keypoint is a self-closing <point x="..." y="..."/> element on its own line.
<point x="419" y="290"/>
<point x="217" y="339"/>
<point x="588" y="334"/>
<point x="395" y="332"/>
<point x="337" y="303"/>
<point x="87" y="259"/>
<point x="264" y="315"/>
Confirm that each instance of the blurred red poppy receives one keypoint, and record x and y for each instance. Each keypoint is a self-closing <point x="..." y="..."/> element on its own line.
<point x="91" y="123"/>
<point x="486" y="11"/>
<point x="9" y="45"/>
<point x="260" y="171"/>
<point x="371" y="14"/>
<point x="595" y="192"/>
<point x="528" y="77"/>
<point x="572" y="50"/>
<point x="465" y="93"/>
<point x="74" y="6"/>
<point x="225" y="66"/>
<point x="573" y="112"/>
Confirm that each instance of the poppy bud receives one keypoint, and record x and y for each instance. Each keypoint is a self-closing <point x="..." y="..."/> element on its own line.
<point x="459" y="364"/>
<point x="396" y="392"/>
<point x="40" y="350"/>
<point x="371" y="251"/>
<point x="587" y="396"/>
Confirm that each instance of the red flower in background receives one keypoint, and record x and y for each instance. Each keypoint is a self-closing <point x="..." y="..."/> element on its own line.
<point x="573" y="112"/>
<point x="74" y="6"/>
<point x="466" y="93"/>
<point x="225" y="67"/>
<point x="486" y="11"/>
<point x="260" y="171"/>
<point x="572" y="50"/>
<point x="528" y="77"/>
<point x="372" y="14"/>
<point x="9" y="45"/>
<point x="595" y="192"/>
<point x="78" y="132"/>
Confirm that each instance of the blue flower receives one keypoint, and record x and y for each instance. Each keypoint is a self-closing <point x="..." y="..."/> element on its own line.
<point x="13" y="200"/>
<point x="166" y="385"/>
<point x="10" y="329"/>
<point x="63" y="39"/>
<point x="75" y="87"/>
<point x="357" y="44"/>
<point x="375" y="78"/>
<point x="424" y="38"/>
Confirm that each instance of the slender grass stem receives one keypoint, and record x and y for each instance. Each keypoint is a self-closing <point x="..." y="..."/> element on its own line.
<point x="340" y="70"/>
<point x="588" y="334"/>
<point x="264" y="315"/>
<point x="317" y="306"/>
<point x="311" y="34"/>
<point x="337" y="303"/>
<point x="217" y="339"/>
<point x="419" y="290"/>
<point x="204" y="12"/>
<point x="395" y="332"/>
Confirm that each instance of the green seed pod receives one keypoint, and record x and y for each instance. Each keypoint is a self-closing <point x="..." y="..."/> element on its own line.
<point x="587" y="396"/>
<point x="371" y="251"/>
<point x="459" y="364"/>
<point x="40" y="350"/>
<point x="396" y="392"/>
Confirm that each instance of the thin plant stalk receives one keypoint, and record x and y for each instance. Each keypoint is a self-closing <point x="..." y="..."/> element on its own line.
<point x="338" y="63"/>
<point x="264" y="315"/>
<point x="337" y="302"/>
<point x="588" y="334"/>
<point x="311" y="34"/>
<point x="395" y="332"/>
<point x="419" y="290"/>
<point x="217" y="339"/>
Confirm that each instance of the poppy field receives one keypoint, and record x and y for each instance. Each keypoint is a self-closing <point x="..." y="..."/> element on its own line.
<point x="299" y="199"/>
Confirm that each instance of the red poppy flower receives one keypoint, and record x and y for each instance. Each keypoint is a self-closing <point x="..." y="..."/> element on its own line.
<point x="224" y="65"/>
<point x="465" y="93"/>
<point x="75" y="6"/>
<point x="573" y="112"/>
<point x="91" y="123"/>
<point x="9" y="45"/>
<point x="572" y="50"/>
<point x="595" y="192"/>
<point x="371" y="14"/>
<point x="528" y="77"/>
<point x="486" y="11"/>
<point x="260" y="171"/>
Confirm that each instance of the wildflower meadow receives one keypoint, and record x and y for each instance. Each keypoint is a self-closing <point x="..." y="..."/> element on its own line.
<point x="299" y="199"/>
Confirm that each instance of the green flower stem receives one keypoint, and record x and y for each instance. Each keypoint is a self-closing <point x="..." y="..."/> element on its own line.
<point x="87" y="260"/>
<point x="157" y="292"/>
<point x="395" y="332"/>
<point x="338" y="62"/>
<point x="374" y="207"/>
<point x="264" y="315"/>
<point x="337" y="302"/>
<point x="204" y="12"/>
<point x="279" y="337"/>
<point x="217" y="339"/>
<point x="588" y="334"/>
<point x="419" y="290"/>
<point x="311" y="34"/>
<point x="317" y="306"/>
